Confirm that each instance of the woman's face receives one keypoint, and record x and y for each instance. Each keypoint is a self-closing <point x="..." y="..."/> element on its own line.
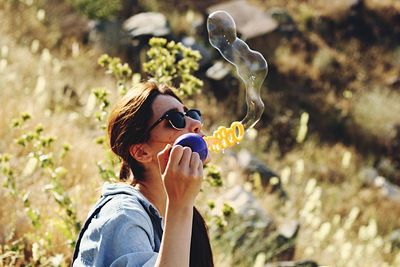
<point x="164" y="133"/>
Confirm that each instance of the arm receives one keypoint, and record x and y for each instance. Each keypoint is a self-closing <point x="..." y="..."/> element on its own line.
<point x="182" y="174"/>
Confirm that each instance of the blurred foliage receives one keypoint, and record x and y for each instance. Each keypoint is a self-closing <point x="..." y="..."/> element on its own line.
<point x="173" y="64"/>
<point x="330" y="128"/>
<point x="97" y="9"/>
<point x="41" y="157"/>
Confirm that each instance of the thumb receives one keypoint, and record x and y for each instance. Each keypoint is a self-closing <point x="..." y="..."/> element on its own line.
<point x="163" y="157"/>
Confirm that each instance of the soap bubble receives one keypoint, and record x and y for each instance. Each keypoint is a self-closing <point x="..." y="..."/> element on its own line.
<point x="251" y="66"/>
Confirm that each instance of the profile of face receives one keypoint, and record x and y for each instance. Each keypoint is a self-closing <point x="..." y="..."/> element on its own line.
<point x="164" y="133"/>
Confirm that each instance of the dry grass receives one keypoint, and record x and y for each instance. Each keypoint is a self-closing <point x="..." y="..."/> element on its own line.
<point x="339" y="227"/>
<point x="343" y="222"/>
<point x="33" y="80"/>
<point x="377" y="111"/>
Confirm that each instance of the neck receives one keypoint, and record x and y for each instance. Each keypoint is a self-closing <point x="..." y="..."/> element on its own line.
<point x="153" y="189"/>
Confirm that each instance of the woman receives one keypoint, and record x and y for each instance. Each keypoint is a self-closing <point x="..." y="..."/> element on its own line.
<point x="149" y="218"/>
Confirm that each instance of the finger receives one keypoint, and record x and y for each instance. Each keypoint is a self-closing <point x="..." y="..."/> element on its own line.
<point x="208" y="159"/>
<point x="187" y="154"/>
<point x="163" y="157"/>
<point x="200" y="170"/>
<point x="175" y="156"/>
<point x="197" y="164"/>
<point x="195" y="160"/>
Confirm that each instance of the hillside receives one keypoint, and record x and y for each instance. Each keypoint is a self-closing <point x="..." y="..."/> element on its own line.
<point x="324" y="156"/>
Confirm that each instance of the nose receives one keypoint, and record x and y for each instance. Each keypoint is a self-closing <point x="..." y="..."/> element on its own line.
<point x="194" y="126"/>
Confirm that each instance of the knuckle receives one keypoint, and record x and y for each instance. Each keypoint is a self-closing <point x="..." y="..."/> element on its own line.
<point x="195" y="155"/>
<point x="187" y="150"/>
<point x="176" y="149"/>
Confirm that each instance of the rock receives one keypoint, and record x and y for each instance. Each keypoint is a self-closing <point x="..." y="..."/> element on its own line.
<point x="386" y="168"/>
<point x="394" y="238"/>
<point x="306" y="263"/>
<point x="251" y="165"/>
<point x="368" y="175"/>
<point x="340" y="11"/>
<point x="289" y="229"/>
<point x="250" y="231"/>
<point x="286" y="24"/>
<point x="388" y="189"/>
<point x="206" y="57"/>
<point x="218" y="71"/>
<point x="146" y="24"/>
<point x="250" y="20"/>
<point x="108" y="35"/>
<point x="287" y="233"/>
<point x="244" y="204"/>
<point x="221" y="81"/>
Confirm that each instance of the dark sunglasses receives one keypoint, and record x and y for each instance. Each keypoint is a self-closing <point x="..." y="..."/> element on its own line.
<point x="177" y="119"/>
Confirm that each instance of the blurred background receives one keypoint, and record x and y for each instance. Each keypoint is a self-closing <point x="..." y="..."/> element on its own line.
<point x="315" y="183"/>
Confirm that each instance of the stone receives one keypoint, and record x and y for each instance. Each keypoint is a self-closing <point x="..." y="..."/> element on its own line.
<point x="251" y="165"/>
<point x="218" y="71"/>
<point x="250" y="20"/>
<point x="368" y="175"/>
<point x="250" y="231"/>
<point x="394" y="238"/>
<point x="146" y="24"/>
<point x="108" y="35"/>
<point x="244" y="204"/>
<point x="388" y="190"/>
<point x="306" y="263"/>
<point x="206" y="57"/>
<point x="289" y="229"/>
<point x="285" y="22"/>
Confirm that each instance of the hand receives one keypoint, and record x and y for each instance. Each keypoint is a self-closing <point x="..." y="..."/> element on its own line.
<point x="182" y="174"/>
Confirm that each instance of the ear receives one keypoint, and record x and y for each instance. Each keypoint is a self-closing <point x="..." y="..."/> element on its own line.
<point x="140" y="153"/>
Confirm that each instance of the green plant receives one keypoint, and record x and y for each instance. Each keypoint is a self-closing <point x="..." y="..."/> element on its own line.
<point x="173" y="64"/>
<point x="40" y="155"/>
<point x="97" y="9"/>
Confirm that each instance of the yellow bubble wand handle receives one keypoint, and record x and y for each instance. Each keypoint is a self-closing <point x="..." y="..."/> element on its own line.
<point x="224" y="137"/>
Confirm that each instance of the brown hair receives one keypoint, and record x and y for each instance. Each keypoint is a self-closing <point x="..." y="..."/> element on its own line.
<point x="127" y="125"/>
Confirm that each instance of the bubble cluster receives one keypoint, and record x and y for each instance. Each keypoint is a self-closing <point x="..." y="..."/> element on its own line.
<point x="251" y="67"/>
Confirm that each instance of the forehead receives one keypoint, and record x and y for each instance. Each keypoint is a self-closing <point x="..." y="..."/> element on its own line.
<point x="163" y="103"/>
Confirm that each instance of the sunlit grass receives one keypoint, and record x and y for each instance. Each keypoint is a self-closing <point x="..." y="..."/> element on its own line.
<point x="343" y="221"/>
<point x="377" y="111"/>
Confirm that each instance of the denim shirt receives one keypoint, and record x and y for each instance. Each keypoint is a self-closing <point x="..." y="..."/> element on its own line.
<point x="127" y="230"/>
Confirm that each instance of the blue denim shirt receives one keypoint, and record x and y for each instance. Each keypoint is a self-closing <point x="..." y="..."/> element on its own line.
<point x="126" y="232"/>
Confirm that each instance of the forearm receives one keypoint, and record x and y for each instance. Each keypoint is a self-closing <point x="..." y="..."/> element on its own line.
<point x="175" y="245"/>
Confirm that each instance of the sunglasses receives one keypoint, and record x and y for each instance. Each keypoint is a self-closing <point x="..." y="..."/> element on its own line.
<point x="177" y="119"/>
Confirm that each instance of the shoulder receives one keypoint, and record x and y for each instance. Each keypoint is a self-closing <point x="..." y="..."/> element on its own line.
<point x="126" y="208"/>
<point x="122" y="227"/>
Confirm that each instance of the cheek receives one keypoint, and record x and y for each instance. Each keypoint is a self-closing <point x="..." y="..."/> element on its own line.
<point x="172" y="136"/>
<point x="162" y="138"/>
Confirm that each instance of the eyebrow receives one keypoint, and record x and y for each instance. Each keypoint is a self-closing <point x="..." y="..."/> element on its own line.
<point x="169" y="110"/>
<point x="176" y="109"/>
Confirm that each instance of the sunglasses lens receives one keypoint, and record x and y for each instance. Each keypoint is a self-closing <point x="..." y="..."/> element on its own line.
<point x="177" y="119"/>
<point x="194" y="114"/>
